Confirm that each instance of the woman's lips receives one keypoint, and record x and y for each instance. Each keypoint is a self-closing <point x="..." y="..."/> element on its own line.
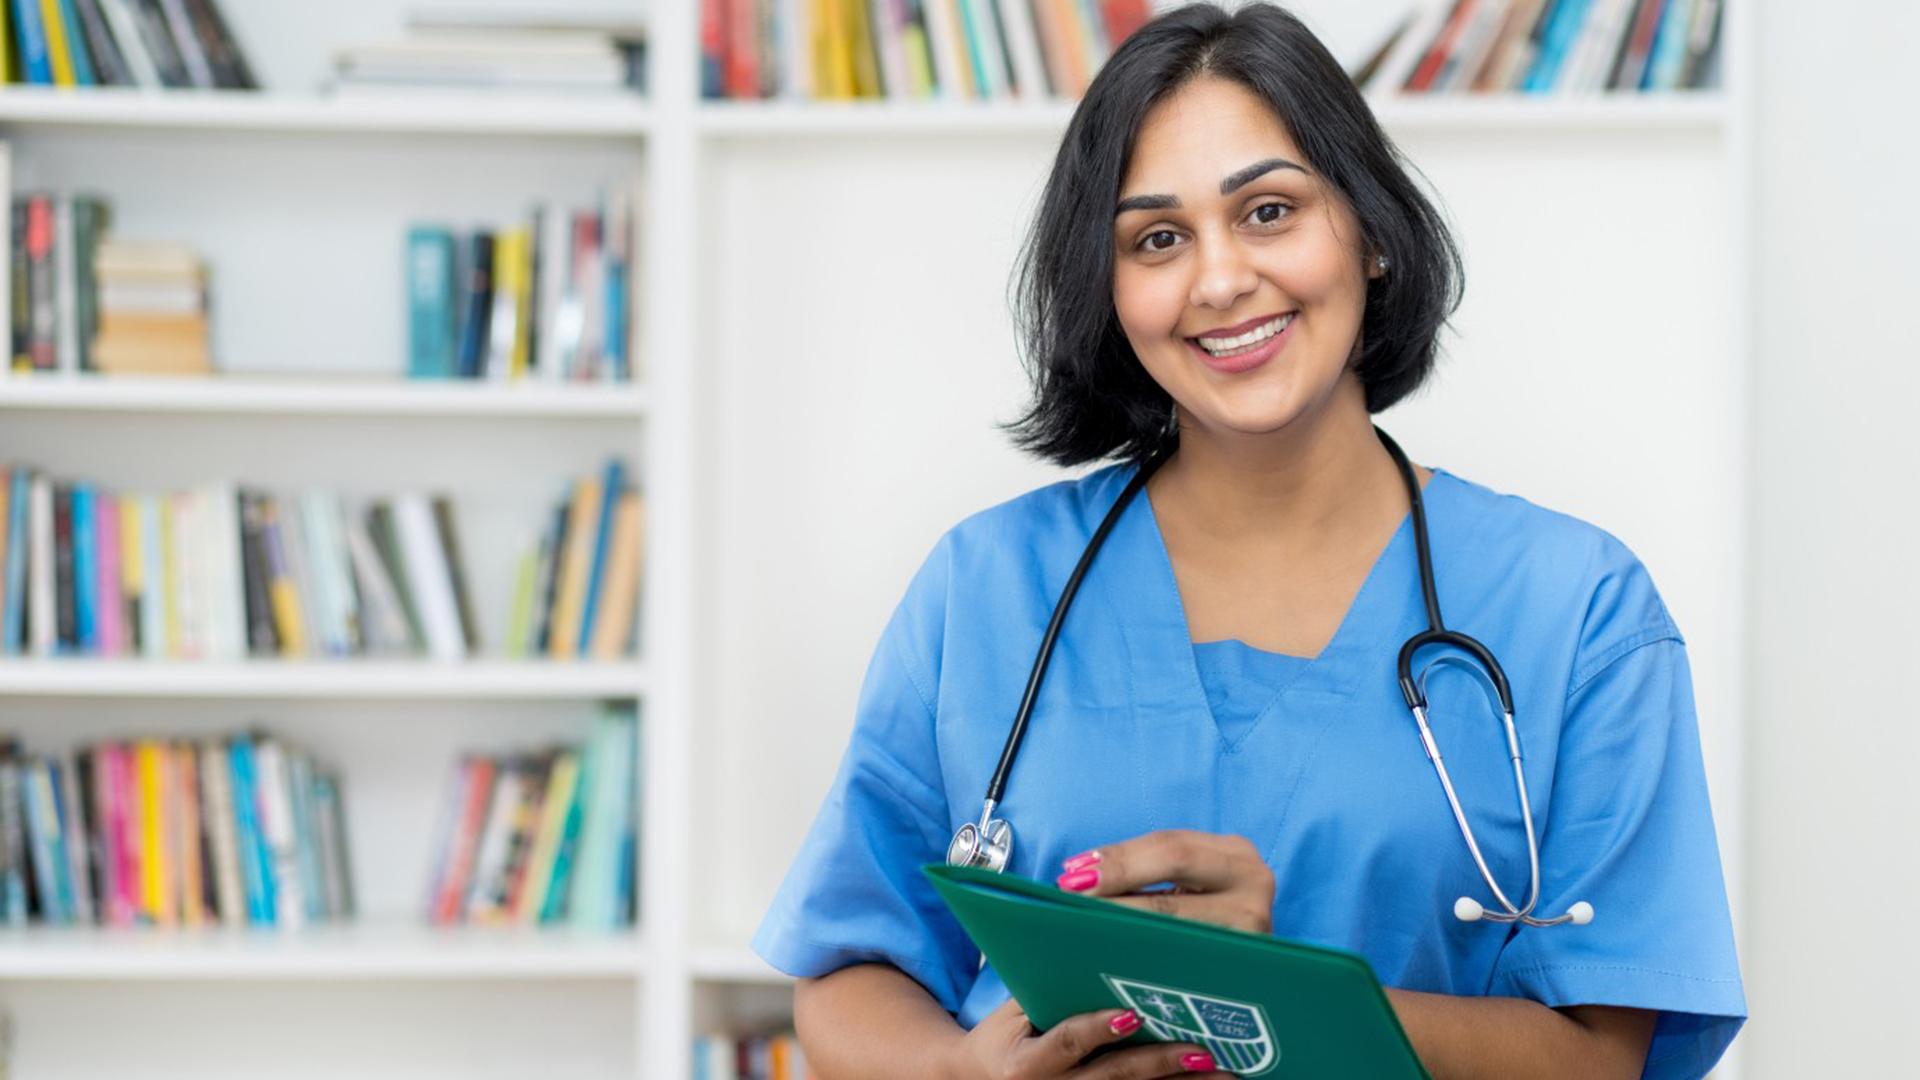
<point x="1240" y="363"/>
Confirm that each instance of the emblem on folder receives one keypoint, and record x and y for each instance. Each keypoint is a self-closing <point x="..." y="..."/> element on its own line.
<point x="1235" y="1033"/>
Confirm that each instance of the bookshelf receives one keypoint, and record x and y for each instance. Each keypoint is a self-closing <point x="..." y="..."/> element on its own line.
<point x="710" y="744"/>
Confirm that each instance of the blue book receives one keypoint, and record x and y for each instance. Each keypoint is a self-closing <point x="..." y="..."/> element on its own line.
<point x="1669" y="48"/>
<point x="12" y="619"/>
<point x="306" y="838"/>
<point x="609" y="500"/>
<point x="62" y="854"/>
<point x="614" y="337"/>
<point x="1569" y="17"/>
<point x="560" y="883"/>
<point x="430" y="303"/>
<point x="256" y="870"/>
<point x="77" y="44"/>
<point x="34" y="61"/>
<point x="625" y="883"/>
<point x="86" y="571"/>
<point x="42" y="836"/>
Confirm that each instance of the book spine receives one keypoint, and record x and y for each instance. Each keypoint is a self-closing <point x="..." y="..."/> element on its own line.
<point x="13" y="845"/>
<point x="216" y="808"/>
<point x="86" y="572"/>
<point x="430" y="328"/>
<point x="19" y="538"/>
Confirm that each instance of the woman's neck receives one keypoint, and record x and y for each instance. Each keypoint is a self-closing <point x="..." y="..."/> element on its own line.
<point x="1324" y="478"/>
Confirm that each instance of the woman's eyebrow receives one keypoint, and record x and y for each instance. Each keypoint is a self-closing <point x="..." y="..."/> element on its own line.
<point x="1231" y="184"/>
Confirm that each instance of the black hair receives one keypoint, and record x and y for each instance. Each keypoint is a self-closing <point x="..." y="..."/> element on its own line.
<point x="1092" y="399"/>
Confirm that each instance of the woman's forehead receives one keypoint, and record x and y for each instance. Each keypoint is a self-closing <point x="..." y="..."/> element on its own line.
<point x="1199" y="135"/>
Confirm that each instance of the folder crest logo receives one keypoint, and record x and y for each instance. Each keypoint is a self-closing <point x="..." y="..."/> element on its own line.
<point x="1235" y="1033"/>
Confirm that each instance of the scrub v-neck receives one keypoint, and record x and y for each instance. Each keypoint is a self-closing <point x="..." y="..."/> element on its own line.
<point x="1331" y="670"/>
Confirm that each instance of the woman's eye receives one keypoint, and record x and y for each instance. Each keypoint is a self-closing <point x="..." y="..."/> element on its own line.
<point x="1260" y="213"/>
<point x="1150" y="241"/>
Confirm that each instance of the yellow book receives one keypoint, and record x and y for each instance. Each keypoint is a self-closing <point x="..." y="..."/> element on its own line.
<point x="860" y="35"/>
<point x="57" y="54"/>
<point x="620" y="582"/>
<point x="522" y="300"/>
<point x="919" y="62"/>
<point x="582" y="518"/>
<point x="133" y="557"/>
<point x="289" y="621"/>
<point x="546" y="839"/>
<point x="835" y="76"/>
<point x="150" y="788"/>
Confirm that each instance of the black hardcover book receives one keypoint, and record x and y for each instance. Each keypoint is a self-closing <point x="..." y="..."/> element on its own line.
<point x="159" y="43"/>
<point x="478" y="303"/>
<point x="66" y="631"/>
<point x="92" y="830"/>
<point x="19" y="301"/>
<point x="262" y="638"/>
<point x="206" y="27"/>
<point x="536" y="237"/>
<point x="109" y="66"/>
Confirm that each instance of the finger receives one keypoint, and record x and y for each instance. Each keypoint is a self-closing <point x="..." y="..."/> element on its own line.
<point x="1204" y="862"/>
<point x="1183" y="1060"/>
<point x="1067" y="1043"/>
<point x="1221" y="909"/>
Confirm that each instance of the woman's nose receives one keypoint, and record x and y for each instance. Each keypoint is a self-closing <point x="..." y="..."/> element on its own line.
<point x="1222" y="274"/>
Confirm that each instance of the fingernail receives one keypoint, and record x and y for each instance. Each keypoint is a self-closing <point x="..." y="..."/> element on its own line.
<point x="1124" y="1024"/>
<point x="1197" y="1062"/>
<point x="1078" y="880"/>
<point x="1082" y="861"/>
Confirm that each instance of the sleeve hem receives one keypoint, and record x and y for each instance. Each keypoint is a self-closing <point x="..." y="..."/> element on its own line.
<point x="796" y="955"/>
<point x="1630" y="985"/>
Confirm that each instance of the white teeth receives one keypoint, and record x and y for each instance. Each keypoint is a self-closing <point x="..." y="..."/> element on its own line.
<point x="1257" y="334"/>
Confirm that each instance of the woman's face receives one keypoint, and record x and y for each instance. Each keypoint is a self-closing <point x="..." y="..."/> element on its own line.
<point x="1240" y="275"/>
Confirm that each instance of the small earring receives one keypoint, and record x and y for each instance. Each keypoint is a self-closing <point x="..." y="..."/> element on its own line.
<point x="1381" y="261"/>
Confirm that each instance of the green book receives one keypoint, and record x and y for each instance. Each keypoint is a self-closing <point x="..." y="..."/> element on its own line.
<point x="1263" y="1006"/>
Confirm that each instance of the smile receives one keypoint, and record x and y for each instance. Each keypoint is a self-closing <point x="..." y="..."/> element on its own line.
<point x="1239" y="343"/>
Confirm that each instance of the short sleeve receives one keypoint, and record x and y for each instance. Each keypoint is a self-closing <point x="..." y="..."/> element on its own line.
<point x="1630" y="831"/>
<point x="855" y="893"/>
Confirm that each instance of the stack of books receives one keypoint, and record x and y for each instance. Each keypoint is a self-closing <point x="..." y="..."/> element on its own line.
<point x="1549" y="46"/>
<point x="537" y="51"/>
<point x="151" y="310"/>
<point x="576" y="593"/>
<point x="977" y="50"/>
<point x="86" y="301"/>
<point x="145" y="43"/>
<point x="172" y="832"/>
<point x="545" y="298"/>
<point x="749" y="1057"/>
<point x="541" y="838"/>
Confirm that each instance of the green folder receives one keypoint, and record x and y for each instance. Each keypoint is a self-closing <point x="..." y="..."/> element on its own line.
<point x="1261" y="1005"/>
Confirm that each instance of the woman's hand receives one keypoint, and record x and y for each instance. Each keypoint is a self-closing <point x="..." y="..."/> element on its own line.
<point x="1004" y="1046"/>
<point x="1217" y="878"/>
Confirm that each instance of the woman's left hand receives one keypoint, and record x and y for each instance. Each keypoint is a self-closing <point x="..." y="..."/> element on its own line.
<point x="1217" y="878"/>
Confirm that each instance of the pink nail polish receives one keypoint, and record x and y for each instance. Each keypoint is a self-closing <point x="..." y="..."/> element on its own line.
<point x="1124" y="1024"/>
<point x="1078" y="880"/>
<point x="1082" y="861"/>
<point x="1197" y="1062"/>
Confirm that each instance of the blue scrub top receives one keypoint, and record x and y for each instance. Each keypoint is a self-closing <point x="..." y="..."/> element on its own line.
<point x="1315" y="760"/>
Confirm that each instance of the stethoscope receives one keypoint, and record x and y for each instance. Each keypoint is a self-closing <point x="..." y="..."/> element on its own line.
<point x="989" y="842"/>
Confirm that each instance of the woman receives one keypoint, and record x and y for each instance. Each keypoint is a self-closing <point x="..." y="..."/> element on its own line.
<point x="1229" y="273"/>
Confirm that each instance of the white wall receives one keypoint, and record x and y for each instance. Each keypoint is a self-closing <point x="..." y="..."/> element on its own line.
<point x="1832" y="857"/>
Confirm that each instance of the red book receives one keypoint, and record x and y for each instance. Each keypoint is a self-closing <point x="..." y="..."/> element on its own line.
<point x="1436" y="58"/>
<point x="477" y="783"/>
<point x="1123" y="17"/>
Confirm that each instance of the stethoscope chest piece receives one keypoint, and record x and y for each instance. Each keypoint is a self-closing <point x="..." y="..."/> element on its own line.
<point x="991" y="850"/>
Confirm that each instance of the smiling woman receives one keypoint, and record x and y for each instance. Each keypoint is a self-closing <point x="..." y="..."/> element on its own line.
<point x="1230" y="271"/>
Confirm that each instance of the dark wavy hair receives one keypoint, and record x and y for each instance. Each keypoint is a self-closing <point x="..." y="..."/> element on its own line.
<point x="1091" y="397"/>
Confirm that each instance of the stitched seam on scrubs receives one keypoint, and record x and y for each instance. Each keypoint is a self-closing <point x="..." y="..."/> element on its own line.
<point x="1616" y="651"/>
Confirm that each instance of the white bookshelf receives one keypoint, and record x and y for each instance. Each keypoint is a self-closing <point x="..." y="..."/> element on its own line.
<point x="683" y="967"/>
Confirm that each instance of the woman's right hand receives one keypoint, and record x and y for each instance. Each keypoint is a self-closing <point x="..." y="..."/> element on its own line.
<point x="1005" y="1046"/>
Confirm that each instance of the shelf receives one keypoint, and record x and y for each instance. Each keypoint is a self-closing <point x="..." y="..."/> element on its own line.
<point x="369" y="950"/>
<point x="414" y="112"/>
<point x="345" y="678"/>
<point x="734" y="965"/>
<point x="752" y="119"/>
<point x="254" y="395"/>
